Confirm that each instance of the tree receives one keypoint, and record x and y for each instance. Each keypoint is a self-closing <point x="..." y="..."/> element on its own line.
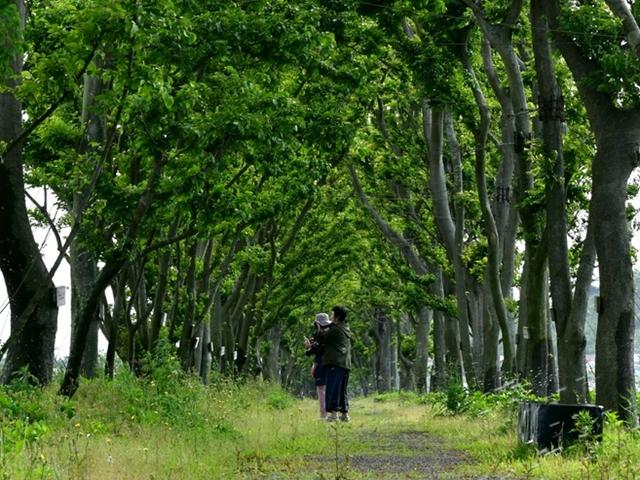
<point x="603" y="72"/>
<point x="29" y="285"/>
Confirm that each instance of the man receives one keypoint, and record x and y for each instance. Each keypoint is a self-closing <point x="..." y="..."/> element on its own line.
<point x="337" y="361"/>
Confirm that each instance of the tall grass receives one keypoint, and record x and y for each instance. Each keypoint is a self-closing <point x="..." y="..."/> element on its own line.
<point x="166" y="425"/>
<point x="485" y="426"/>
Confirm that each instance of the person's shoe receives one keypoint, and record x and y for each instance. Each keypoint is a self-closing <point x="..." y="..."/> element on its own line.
<point x="331" y="417"/>
<point x="345" y="417"/>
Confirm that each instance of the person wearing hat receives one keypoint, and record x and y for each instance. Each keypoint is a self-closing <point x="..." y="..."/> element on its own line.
<point x="318" y="372"/>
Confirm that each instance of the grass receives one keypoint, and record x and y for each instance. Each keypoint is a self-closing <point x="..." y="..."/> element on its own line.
<point x="170" y="427"/>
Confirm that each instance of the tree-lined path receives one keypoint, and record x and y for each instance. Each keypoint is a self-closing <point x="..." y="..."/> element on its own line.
<point x="460" y="174"/>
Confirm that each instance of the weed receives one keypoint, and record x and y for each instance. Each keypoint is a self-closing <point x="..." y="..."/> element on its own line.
<point x="278" y="399"/>
<point x="340" y="466"/>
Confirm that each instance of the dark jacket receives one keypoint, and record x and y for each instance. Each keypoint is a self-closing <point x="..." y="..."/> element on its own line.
<point x="316" y="350"/>
<point x="337" y="345"/>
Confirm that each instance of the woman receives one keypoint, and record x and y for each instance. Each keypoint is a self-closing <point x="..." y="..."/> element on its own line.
<point x="318" y="372"/>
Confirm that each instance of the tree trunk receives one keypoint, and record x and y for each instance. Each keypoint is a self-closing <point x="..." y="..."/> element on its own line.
<point x="113" y="265"/>
<point x="552" y="361"/>
<point x="25" y="275"/>
<point x="421" y="366"/>
<point x="159" y="310"/>
<point x="476" y="314"/>
<point x="394" y="364"/>
<point x="116" y="320"/>
<point x="82" y="262"/>
<point x="617" y="135"/>
<point x="491" y="364"/>
<point x="569" y="323"/>
<point x="454" y="360"/>
<point x="198" y="349"/>
<point x="615" y="382"/>
<point x="440" y="340"/>
<point x="185" y="350"/>
<point x="492" y="274"/>
<point x="448" y="234"/>
<point x="383" y="329"/>
<point x="272" y="370"/>
<point x="205" y="366"/>
<point x="571" y="345"/>
<point x="84" y="271"/>
<point x="535" y="329"/>
<point x="406" y="377"/>
<point x="216" y="330"/>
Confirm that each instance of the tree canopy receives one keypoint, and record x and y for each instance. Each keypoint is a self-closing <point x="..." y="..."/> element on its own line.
<point x="228" y="169"/>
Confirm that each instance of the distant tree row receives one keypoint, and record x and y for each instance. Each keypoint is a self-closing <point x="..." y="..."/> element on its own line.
<point x="227" y="169"/>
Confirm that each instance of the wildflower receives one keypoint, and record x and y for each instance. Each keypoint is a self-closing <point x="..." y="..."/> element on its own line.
<point x="109" y="459"/>
<point x="77" y="425"/>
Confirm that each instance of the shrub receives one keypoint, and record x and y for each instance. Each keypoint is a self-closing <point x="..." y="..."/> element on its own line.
<point x="278" y="399"/>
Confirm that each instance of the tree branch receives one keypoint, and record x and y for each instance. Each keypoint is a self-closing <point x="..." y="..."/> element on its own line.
<point x="580" y="65"/>
<point x="43" y="210"/>
<point x="411" y="256"/>
<point x="621" y="9"/>
<point x="38" y="121"/>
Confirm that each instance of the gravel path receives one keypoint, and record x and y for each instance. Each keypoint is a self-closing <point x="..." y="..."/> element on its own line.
<point x="402" y="455"/>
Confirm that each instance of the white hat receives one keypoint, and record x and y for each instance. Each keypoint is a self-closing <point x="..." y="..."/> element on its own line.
<point x="322" y="319"/>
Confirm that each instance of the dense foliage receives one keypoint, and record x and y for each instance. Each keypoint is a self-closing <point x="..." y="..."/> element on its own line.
<point x="228" y="169"/>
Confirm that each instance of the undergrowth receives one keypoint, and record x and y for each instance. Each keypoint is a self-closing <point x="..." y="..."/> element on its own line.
<point x="165" y="424"/>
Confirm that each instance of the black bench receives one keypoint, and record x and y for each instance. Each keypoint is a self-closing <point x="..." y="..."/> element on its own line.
<point x="548" y="426"/>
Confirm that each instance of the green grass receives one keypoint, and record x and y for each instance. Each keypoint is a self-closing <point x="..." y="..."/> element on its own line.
<point x="134" y="429"/>
<point x="170" y="427"/>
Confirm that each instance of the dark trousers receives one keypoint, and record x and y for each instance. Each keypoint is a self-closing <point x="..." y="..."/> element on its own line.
<point x="336" y="395"/>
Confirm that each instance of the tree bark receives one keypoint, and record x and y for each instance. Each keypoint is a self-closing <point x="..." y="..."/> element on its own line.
<point x="491" y="231"/>
<point x="272" y="370"/>
<point x="622" y="10"/>
<point x="500" y="37"/>
<point x="440" y="345"/>
<point x="185" y="350"/>
<point x="117" y="319"/>
<point x="82" y="262"/>
<point x="506" y="213"/>
<point x="569" y="324"/>
<point x="572" y="342"/>
<point x="449" y="236"/>
<point x="421" y="366"/>
<point x="615" y="381"/>
<point x="491" y="364"/>
<point x="383" y="329"/>
<point x="159" y="310"/>
<point x="25" y="275"/>
<point x="617" y="135"/>
<point x="537" y="352"/>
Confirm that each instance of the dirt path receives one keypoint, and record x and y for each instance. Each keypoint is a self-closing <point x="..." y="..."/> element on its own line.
<point x="401" y="455"/>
